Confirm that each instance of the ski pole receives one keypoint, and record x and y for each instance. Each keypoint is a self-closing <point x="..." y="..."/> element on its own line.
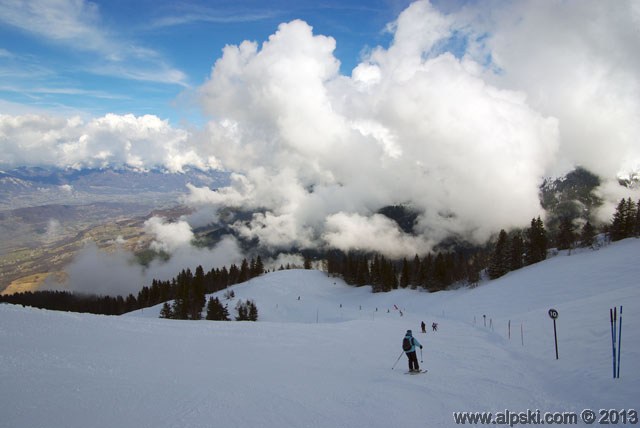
<point x="420" y="354"/>
<point x="619" y="343"/>
<point x="394" y="364"/>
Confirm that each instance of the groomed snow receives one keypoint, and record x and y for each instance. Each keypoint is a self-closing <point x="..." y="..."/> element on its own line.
<point x="314" y="363"/>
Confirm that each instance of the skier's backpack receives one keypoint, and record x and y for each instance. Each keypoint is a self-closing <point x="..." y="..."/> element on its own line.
<point x="406" y="344"/>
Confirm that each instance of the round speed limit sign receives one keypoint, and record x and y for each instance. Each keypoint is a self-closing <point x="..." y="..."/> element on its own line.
<point x="553" y="313"/>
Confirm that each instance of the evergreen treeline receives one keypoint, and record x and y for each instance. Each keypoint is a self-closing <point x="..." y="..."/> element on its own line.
<point x="626" y="220"/>
<point x="66" y="301"/>
<point x="247" y="311"/>
<point x="517" y="249"/>
<point x="431" y="272"/>
<point x="187" y="289"/>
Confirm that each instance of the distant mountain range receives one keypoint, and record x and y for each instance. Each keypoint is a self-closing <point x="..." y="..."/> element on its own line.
<point x="34" y="186"/>
<point x="46" y="213"/>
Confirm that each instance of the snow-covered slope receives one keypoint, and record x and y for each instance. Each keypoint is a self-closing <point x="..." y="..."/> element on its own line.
<point x="325" y="359"/>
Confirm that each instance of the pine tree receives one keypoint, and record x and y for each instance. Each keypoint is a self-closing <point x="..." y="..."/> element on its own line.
<point x="390" y="276"/>
<point x="536" y="244"/>
<point x="252" y="314"/>
<point x="616" y="231"/>
<point x="197" y="295"/>
<point x="166" y="311"/>
<point x="224" y="278"/>
<point x="630" y="220"/>
<point x="440" y="273"/>
<point x="566" y="236"/>
<point x="405" y="275"/>
<point x="259" y="267"/>
<point x="131" y="304"/>
<point x="461" y="267"/>
<point x="499" y="263"/>
<point x="234" y="275"/>
<point x="244" y="271"/>
<point x="623" y="224"/>
<point x="216" y="311"/>
<point x="426" y="272"/>
<point x="242" y="310"/>
<point x="516" y="249"/>
<point x="415" y="272"/>
<point x="181" y="300"/>
<point x="588" y="235"/>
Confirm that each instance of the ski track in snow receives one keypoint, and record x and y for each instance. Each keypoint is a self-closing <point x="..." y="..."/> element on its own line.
<point x="326" y="360"/>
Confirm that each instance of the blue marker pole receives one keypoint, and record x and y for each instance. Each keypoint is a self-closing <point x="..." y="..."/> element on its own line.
<point x="619" y="343"/>
<point x="615" y="345"/>
<point x="613" y="342"/>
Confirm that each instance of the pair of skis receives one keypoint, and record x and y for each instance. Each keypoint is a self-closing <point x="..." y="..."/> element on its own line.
<point x="616" y="328"/>
<point x="416" y="372"/>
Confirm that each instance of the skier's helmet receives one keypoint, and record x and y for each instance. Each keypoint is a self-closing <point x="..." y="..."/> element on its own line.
<point x="409" y="332"/>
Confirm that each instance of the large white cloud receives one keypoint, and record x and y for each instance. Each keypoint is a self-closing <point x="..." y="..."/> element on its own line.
<point x="169" y="236"/>
<point x="120" y="274"/>
<point x="375" y="233"/>
<point x="111" y="140"/>
<point x="323" y="152"/>
<point x="577" y="61"/>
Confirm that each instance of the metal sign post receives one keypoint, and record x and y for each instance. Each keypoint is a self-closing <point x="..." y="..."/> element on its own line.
<point x="554" y="315"/>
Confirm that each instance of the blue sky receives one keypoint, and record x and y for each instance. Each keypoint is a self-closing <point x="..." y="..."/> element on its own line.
<point x="145" y="57"/>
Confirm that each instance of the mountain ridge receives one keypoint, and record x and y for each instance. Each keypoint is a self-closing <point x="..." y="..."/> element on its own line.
<point x="34" y="186"/>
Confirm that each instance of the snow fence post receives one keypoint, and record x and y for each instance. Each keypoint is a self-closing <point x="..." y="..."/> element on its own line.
<point x="554" y="315"/>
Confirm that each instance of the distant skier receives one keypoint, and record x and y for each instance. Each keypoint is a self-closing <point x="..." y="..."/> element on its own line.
<point x="409" y="344"/>
<point x="424" y="327"/>
<point x="434" y="326"/>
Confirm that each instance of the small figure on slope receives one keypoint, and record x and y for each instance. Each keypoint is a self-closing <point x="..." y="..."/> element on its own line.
<point x="424" y="327"/>
<point x="409" y="344"/>
<point x="434" y="326"/>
